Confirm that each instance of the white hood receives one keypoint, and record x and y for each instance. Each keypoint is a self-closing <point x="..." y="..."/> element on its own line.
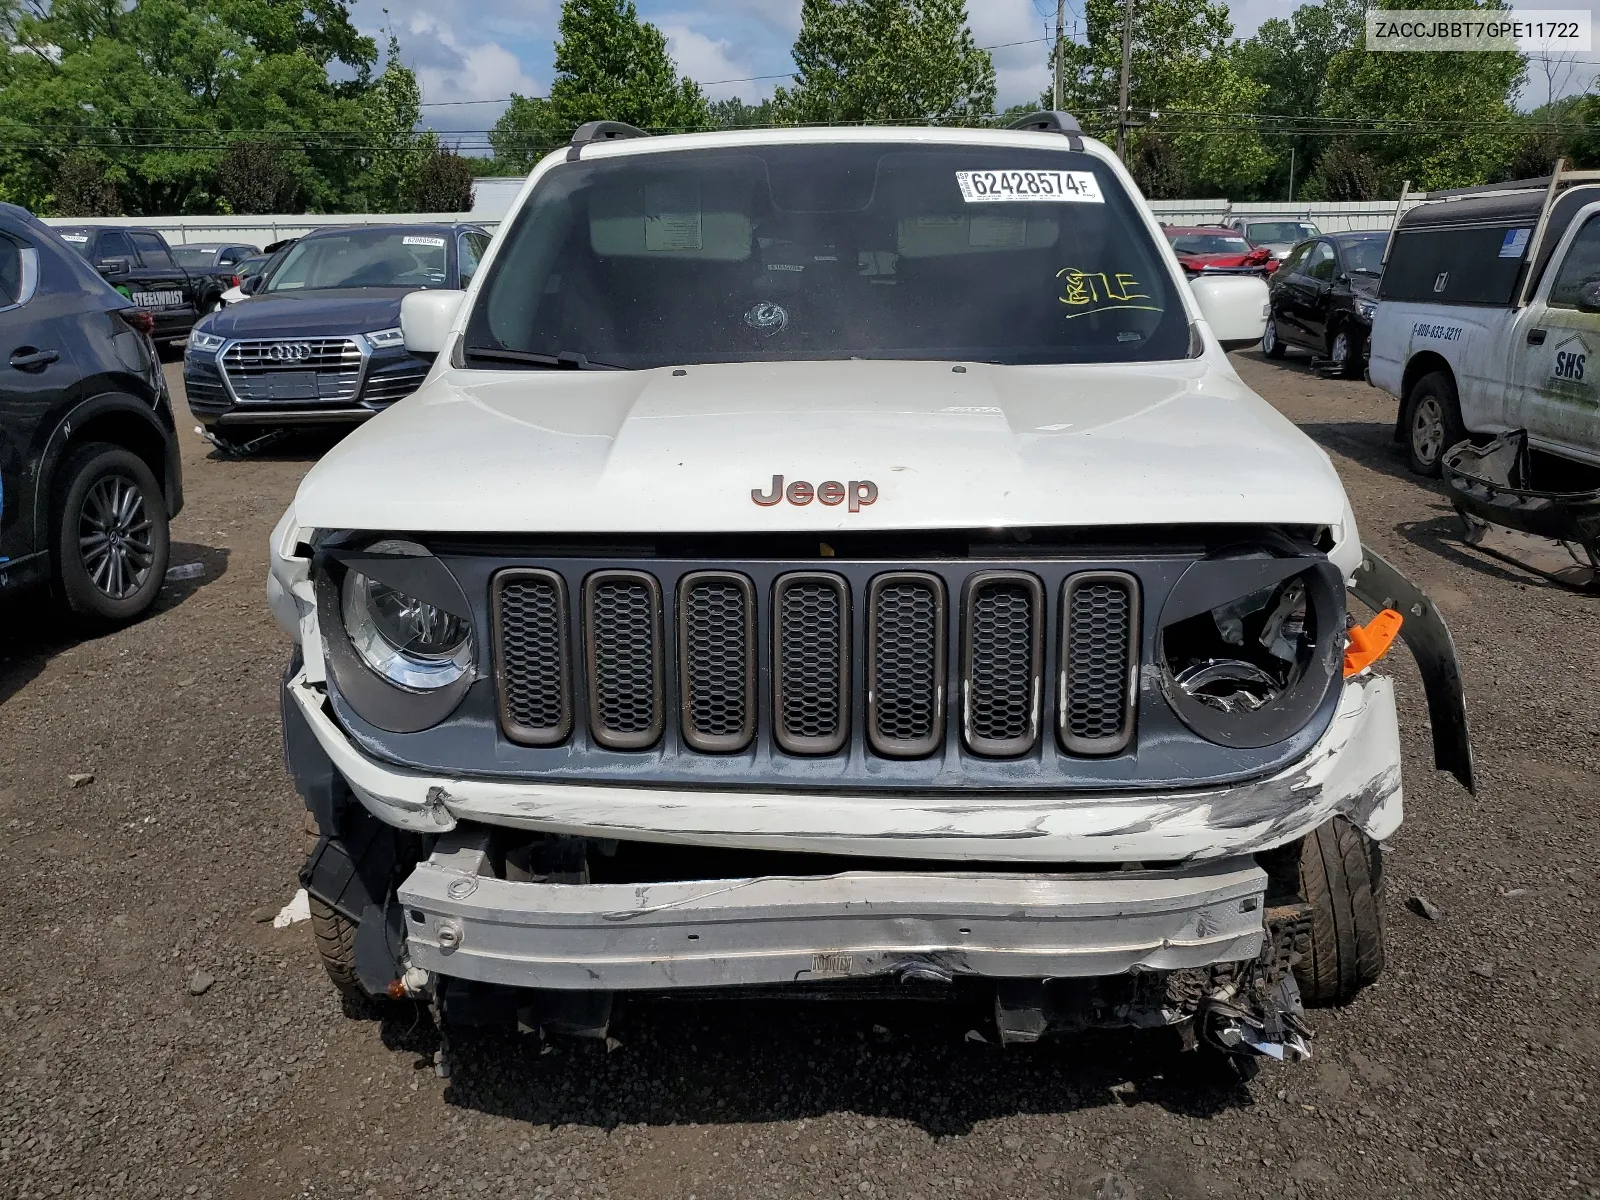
<point x="658" y="451"/>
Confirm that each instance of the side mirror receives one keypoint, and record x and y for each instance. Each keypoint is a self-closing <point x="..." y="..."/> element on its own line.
<point x="427" y="317"/>
<point x="1235" y="306"/>
<point x="1589" y="297"/>
<point x="111" y="268"/>
<point x="252" y="285"/>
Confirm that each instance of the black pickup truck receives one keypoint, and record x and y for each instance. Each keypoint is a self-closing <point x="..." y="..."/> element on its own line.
<point x="139" y="264"/>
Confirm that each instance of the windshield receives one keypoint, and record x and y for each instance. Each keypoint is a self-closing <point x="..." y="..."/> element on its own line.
<point x="1209" y="243"/>
<point x="362" y="258"/>
<point x="193" y="256"/>
<point x="1365" y="255"/>
<point x="1280" y="231"/>
<point x="778" y="253"/>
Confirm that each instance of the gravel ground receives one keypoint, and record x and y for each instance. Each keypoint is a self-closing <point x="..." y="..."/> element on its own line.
<point x="1470" y="1068"/>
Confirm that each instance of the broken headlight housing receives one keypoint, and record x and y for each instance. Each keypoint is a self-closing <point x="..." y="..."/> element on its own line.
<point x="1251" y="643"/>
<point x="398" y="634"/>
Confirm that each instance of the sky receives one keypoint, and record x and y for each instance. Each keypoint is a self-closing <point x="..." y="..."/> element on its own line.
<point x="484" y="50"/>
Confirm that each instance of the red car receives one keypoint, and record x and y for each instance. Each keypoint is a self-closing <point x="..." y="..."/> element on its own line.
<point x="1212" y="248"/>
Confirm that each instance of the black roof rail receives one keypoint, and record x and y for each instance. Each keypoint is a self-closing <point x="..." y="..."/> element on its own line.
<point x="1052" y="122"/>
<point x="601" y="131"/>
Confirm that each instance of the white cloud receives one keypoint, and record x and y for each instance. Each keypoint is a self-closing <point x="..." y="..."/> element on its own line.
<point x="454" y="70"/>
<point x="708" y="59"/>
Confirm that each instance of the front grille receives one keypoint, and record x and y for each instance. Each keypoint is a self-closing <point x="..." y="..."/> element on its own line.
<point x="531" y="661"/>
<point x="622" y="636"/>
<point x="811" y="652"/>
<point x="1001" y="663"/>
<point x="1100" y="623"/>
<point x="717" y="661"/>
<point x="734" y="633"/>
<point x="393" y="385"/>
<point x="293" y="370"/>
<point x="905" y="664"/>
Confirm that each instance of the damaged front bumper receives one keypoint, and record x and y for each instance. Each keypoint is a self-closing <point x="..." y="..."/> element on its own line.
<point x="462" y="922"/>
<point x="1353" y="771"/>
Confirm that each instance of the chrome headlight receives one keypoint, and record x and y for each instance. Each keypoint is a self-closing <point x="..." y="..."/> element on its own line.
<point x="1251" y="643"/>
<point x="397" y="631"/>
<point x="384" y="339"/>
<point x="205" y="343"/>
<point x="1366" y="308"/>
<point x="411" y="643"/>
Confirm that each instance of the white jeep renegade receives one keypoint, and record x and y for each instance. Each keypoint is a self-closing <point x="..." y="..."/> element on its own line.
<point x="844" y="559"/>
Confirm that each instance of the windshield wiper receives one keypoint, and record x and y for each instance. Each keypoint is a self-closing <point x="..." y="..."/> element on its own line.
<point x="563" y="360"/>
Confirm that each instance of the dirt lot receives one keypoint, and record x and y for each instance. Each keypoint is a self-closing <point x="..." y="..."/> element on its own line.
<point x="1470" y="1069"/>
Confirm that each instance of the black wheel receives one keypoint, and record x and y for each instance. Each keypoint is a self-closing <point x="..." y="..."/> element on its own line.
<point x="1345" y="352"/>
<point x="335" y="937"/>
<point x="1341" y="877"/>
<point x="111" y="538"/>
<point x="1271" y="344"/>
<point x="1431" y="422"/>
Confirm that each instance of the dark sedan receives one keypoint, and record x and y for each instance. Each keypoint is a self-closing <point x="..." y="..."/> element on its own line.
<point x="319" y="342"/>
<point x="1322" y="299"/>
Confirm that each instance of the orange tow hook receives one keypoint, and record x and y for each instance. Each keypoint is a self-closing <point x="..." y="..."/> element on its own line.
<point x="1368" y="643"/>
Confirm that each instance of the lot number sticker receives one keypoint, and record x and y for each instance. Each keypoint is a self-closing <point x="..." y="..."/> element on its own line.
<point x="417" y="240"/>
<point x="1037" y="187"/>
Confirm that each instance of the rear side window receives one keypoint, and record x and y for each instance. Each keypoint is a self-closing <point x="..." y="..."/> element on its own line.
<point x="115" y="245"/>
<point x="10" y="271"/>
<point x="151" y="250"/>
<point x="1453" y="266"/>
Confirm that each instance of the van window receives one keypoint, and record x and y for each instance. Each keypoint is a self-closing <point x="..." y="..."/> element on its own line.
<point x="1581" y="266"/>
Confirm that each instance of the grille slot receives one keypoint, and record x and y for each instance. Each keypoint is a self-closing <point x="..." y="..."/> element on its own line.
<point x="906" y="663"/>
<point x="1099" y="658"/>
<point x="717" y="661"/>
<point x="392" y="386"/>
<point x="306" y="370"/>
<point x="811" y="662"/>
<point x="622" y="658"/>
<point x="1002" y="615"/>
<point x="532" y="666"/>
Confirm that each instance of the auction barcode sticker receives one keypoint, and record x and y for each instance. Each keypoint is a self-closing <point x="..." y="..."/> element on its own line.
<point x="414" y="240"/>
<point x="1039" y="187"/>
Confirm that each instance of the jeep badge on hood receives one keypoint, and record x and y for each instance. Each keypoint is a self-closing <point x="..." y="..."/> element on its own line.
<point x="859" y="492"/>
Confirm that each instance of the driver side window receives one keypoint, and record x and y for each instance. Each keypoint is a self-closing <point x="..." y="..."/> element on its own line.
<point x="1581" y="266"/>
<point x="1321" y="263"/>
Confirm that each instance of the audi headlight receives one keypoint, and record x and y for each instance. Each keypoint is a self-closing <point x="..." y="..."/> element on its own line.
<point x="385" y="339"/>
<point x="205" y="343"/>
<point x="398" y="633"/>
<point x="1251" y="644"/>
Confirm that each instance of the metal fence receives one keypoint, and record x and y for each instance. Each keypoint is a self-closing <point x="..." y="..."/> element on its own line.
<point x="495" y="196"/>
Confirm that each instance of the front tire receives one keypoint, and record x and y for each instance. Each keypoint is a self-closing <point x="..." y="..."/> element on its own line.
<point x="1345" y="353"/>
<point x="1431" y="423"/>
<point x="335" y="937"/>
<point x="112" y="542"/>
<point x="1341" y="877"/>
<point x="1271" y="344"/>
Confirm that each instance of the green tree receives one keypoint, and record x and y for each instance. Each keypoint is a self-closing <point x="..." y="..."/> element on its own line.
<point x="1441" y="119"/>
<point x="610" y="66"/>
<point x="1291" y="58"/>
<point x="887" y="60"/>
<point x="1344" y="173"/>
<point x="159" y="90"/>
<point x="393" y="153"/>
<point x="1186" y="84"/>
<point x="736" y="114"/>
<point x="442" y="184"/>
<point x="82" y="188"/>
<point x="258" y="177"/>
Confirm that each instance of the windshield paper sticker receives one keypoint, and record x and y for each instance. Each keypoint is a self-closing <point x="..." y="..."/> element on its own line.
<point x="416" y="240"/>
<point x="1037" y="187"/>
<point x="672" y="217"/>
<point x="1443" y="333"/>
<point x="74" y="237"/>
<point x="1088" y="292"/>
<point x="1515" y="243"/>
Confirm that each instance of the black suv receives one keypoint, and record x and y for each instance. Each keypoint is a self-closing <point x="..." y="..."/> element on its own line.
<point x="319" y="341"/>
<point x="1322" y="297"/>
<point x="89" y="473"/>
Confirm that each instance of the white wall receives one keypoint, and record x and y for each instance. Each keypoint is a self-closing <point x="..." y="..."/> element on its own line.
<point x="1330" y="217"/>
